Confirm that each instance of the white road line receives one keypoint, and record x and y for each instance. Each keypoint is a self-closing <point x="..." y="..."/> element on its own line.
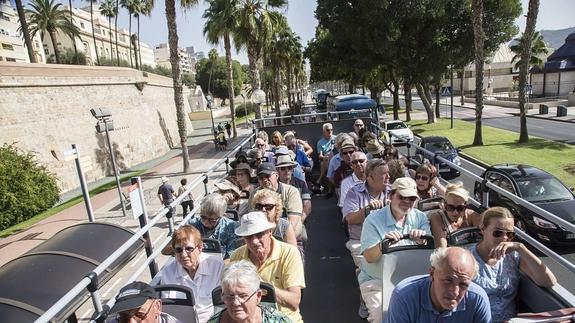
<point x="111" y="287"/>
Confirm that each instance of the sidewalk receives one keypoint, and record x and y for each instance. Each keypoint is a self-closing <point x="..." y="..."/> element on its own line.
<point x="106" y="205"/>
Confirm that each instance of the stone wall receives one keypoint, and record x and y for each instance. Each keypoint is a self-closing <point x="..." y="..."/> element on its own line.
<point x="46" y="108"/>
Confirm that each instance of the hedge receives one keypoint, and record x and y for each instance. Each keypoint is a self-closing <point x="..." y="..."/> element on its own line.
<point x="241" y="110"/>
<point x="26" y="187"/>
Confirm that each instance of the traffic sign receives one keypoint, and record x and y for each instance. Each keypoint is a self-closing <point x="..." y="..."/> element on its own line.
<point x="70" y="154"/>
<point x="135" y="202"/>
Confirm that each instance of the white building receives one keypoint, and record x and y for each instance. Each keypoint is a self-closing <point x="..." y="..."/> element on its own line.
<point x="12" y="47"/>
<point x="557" y="77"/>
<point x="162" y="55"/>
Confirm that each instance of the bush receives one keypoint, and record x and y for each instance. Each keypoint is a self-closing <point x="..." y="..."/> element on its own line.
<point x="106" y="61"/>
<point x="26" y="187"/>
<point x="67" y="56"/>
<point x="241" y="109"/>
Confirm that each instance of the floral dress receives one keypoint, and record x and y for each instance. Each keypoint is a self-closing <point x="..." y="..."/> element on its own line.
<point x="269" y="315"/>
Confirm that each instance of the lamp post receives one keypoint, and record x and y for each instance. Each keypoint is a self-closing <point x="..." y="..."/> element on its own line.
<point x="106" y="124"/>
<point x="451" y="85"/>
<point x="259" y="97"/>
<point x="210" y="100"/>
<point x="245" y="109"/>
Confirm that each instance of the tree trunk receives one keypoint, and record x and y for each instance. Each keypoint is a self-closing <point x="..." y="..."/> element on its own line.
<point x="130" y="39"/>
<point x="230" y="75"/>
<point x="420" y="87"/>
<point x="408" y="101"/>
<point x="276" y="81"/>
<point x="25" y="31"/>
<point x="52" y="34"/>
<point x="177" y="80"/>
<point x="109" y="32"/>
<point x="477" y="6"/>
<point x="134" y="41"/>
<point x="93" y="33"/>
<point x="73" y="37"/>
<point x="437" y="98"/>
<point x="395" y="93"/>
<point x="524" y="67"/>
<point x="139" y="48"/>
<point x="461" y="88"/>
<point x="253" y="61"/>
<point x="116" y="32"/>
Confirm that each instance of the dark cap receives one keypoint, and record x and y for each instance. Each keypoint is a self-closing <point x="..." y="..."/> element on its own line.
<point x="266" y="168"/>
<point x="133" y="296"/>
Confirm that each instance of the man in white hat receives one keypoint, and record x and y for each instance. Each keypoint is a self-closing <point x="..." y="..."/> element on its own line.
<point x="166" y="193"/>
<point x="392" y="222"/>
<point x="285" y="166"/>
<point x="277" y="263"/>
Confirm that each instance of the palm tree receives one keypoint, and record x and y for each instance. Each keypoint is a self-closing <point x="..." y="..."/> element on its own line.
<point x="538" y="48"/>
<point x="93" y="33"/>
<point x="177" y="74"/>
<point x="47" y="16"/>
<point x="73" y="39"/>
<point x="145" y="8"/>
<point x="220" y="24"/>
<point x="255" y="20"/>
<point x="116" y="32"/>
<point x="108" y="9"/>
<point x="527" y="44"/>
<point x="478" y="37"/>
<point x="132" y="6"/>
<point x="25" y="31"/>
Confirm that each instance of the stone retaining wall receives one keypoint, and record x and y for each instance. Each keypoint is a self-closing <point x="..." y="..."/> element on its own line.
<point x="46" y="108"/>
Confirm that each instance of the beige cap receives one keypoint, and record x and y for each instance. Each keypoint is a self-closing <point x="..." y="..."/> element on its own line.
<point x="405" y="186"/>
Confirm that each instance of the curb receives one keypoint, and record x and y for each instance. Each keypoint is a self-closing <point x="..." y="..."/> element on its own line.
<point x="543" y="118"/>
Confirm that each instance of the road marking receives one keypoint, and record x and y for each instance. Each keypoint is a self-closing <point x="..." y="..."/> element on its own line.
<point x="111" y="287"/>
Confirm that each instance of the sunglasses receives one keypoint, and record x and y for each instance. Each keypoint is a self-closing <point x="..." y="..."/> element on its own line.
<point x="358" y="125"/>
<point x="187" y="249"/>
<point x="500" y="233"/>
<point x="358" y="161"/>
<point x="421" y="177"/>
<point x="267" y="207"/>
<point x="458" y="208"/>
<point x="409" y="198"/>
<point x="210" y="220"/>
<point x="329" y="129"/>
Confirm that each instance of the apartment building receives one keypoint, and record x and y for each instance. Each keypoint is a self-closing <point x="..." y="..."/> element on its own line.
<point x="162" y="55"/>
<point x="12" y="47"/>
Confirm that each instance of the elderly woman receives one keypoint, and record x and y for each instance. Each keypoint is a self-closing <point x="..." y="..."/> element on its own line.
<point x="212" y="223"/>
<point x="241" y="295"/>
<point x="500" y="260"/>
<point x="453" y="215"/>
<point x="193" y="269"/>
<point x="428" y="185"/>
<point x="271" y="204"/>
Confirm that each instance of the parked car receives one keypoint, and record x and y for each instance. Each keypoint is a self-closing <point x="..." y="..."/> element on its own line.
<point x="358" y="104"/>
<point x="321" y="97"/>
<point x="538" y="187"/>
<point x="441" y="147"/>
<point x="396" y="132"/>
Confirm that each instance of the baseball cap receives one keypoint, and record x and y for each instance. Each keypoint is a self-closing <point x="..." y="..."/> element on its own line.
<point x="132" y="296"/>
<point x="266" y="168"/>
<point x="405" y="186"/>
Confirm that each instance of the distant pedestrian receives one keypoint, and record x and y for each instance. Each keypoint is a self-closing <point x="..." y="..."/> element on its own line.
<point x="220" y="127"/>
<point x="222" y="142"/>
<point x="228" y="129"/>
<point x="166" y="194"/>
<point x="188" y="200"/>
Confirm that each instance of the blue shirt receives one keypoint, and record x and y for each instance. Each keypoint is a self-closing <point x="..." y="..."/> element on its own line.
<point x="324" y="146"/>
<point x="301" y="158"/>
<point x="411" y="302"/>
<point x="376" y="225"/>
<point x="500" y="282"/>
<point x="334" y="164"/>
<point x="223" y="232"/>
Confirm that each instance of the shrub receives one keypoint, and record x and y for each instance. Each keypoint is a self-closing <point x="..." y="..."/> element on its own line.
<point x="241" y="109"/>
<point x="26" y="187"/>
<point x="106" y="61"/>
<point x="67" y="56"/>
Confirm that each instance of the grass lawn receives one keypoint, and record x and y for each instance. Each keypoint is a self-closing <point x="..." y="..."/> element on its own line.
<point x="501" y="146"/>
<point x="78" y="199"/>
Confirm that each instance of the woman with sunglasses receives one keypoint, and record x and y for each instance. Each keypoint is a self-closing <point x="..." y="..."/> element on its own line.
<point x="428" y="185"/>
<point x="453" y="215"/>
<point x="500" y="261"/>
<point x="271" y="204"/>
<point x="194" y="269"/>
<point x="242" y="295"/>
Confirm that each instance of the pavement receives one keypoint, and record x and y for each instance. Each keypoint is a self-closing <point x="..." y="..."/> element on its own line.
<point x="106" y="205"/>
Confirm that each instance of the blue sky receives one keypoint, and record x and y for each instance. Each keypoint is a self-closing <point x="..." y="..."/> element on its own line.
<point x="553" y="14"/>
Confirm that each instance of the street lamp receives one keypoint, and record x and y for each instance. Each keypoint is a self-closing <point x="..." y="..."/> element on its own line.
<point x="259" y="97"/>
<point x="106" y="124"/>
<point x="210" y="100"/>
<point x="245" y="109"/>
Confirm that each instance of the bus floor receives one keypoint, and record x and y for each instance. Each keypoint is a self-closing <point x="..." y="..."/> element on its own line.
<point x="332" y="292"/>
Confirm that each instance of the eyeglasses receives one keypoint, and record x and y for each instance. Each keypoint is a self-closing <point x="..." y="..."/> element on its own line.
<point x="242" y="299"/>
<point x="349" y="152"/>
<point x="410" y="198"/>
<point x="210" y="220"/>
<point x="262" y="206"/>
<point x="458" y="208"/>
<point x="499" y="233"/>
<point x="358" y="161"/>
<point x="421" y="177"/>
<point x="285" y="168"/>
<point x="137" y="316"/>
<point x="358" y="125"/>
<point x="187" y="249"/>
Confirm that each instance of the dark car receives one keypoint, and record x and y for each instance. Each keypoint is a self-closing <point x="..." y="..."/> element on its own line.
<point x="441" y="147"/>
<point x="538" y="187"/>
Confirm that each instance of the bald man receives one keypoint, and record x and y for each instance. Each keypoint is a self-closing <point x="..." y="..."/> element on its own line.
<point x="447" y="294"/>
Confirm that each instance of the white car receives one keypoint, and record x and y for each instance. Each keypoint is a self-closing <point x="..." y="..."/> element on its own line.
<point x="397" y="132"/>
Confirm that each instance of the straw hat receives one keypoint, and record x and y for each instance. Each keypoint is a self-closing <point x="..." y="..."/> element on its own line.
<point x="374" y="147"/>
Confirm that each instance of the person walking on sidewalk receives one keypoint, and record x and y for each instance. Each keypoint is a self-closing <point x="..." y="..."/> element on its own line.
<point x="187" y="201"/>
<point x="228" y="129"/>
<point x="166" y="194"/>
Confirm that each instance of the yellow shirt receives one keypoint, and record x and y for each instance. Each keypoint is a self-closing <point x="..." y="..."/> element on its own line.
<point x="283" y="269"/>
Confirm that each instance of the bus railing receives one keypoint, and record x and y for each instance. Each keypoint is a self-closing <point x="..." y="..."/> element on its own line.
<point x="91" y="279"/>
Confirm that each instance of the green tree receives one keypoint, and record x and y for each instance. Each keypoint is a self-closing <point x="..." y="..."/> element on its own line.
<point x="176" y="74"/>
<point x="68" y="56"/>
<point x="48" y="17"/>
<point x="25" y="31"/>
<point x="220" y="25"/>
<point x="73" y="39"/>
<point x="526" y="58"/>
<point x="538" y="49"/>
<point x="109" y="10"/>
<point x="132" y="6"/>
<point x="212" y="77"/>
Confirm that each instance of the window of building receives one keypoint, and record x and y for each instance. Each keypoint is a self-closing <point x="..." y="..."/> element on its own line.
<point x="97" y="31"/>
<point x="46" y="52"/>
<point x="7" y="46"/>
<point x="82" y="25"/>
<point x="3" y="16"/>
<point x="9" y="59"/>
<point x="1" y="58"/>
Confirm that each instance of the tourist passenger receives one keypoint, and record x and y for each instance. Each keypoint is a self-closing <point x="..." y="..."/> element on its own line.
<point x="300" y="155"/>
<point x="256" y="157"/>
<point x="166" y="194"/>
<point x="214" y="224"/>
<point x="262" y="146"/>
<point x="277" y="140"/>
<point x="453" y="215"/>
<point x="284" y="151"/>
<point x="390" y="153"/>
<point x="335" y="161"/>
<point x="240" y="158"/>
<point x="139" y="302"/>
<point x="392" y="222"/>
<point x="285" y="167"/>
<point x="357" y="127"/>
<point x="193" y="269"/>
<point x="230" y="189"/>
<point x="325" y="147"/>
<point x="500" y="261"/>
<point x="344" y="170"/>
<point x="428" y="184"/>
<point x="243" y="175"/>
<point x="397" y="169"/>
<point x="278" y="263"/>
<point x="241" y="295"/>
<point x="188" y="200"/>
<point x="447" y="294"/>
<point x="374" y="149"/>
<point x="358" y="163"/>
<point x="270" y="203"/>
